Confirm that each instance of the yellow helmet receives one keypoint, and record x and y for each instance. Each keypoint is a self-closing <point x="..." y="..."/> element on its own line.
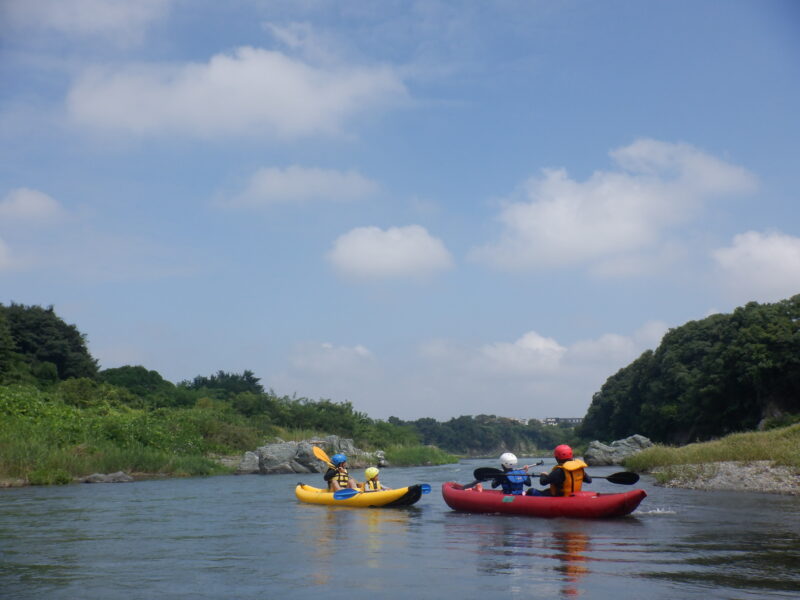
<point x="371" y="472"/>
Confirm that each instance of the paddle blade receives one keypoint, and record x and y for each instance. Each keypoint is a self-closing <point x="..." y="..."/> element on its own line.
<point x="484" y="473"/>
<point x="320" y="454"/>
<point x="623" y="478"/>
<point x="345" y="494"/>
<point x="425" y="487"/>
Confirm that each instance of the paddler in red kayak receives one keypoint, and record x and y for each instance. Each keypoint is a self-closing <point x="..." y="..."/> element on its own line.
<point x="565" y="478"/>
<point x="514" y="479"/>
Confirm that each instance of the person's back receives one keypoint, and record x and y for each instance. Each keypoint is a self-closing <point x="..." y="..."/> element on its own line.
<point x="513" y="480"/>
<point x="566" y="477"/>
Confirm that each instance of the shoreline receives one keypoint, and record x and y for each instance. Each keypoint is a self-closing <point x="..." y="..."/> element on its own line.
<point x="761" y="476"/>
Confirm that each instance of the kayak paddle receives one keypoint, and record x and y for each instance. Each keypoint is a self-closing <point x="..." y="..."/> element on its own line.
<point x="484" y="473"/>
<point x="622" y="478"/>
<point x="349" y="493"/>
<point x="345" y="494"/>
<point x="320" y="454"/>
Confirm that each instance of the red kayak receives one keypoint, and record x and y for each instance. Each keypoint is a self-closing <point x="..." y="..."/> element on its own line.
<point x="585" y="505"/>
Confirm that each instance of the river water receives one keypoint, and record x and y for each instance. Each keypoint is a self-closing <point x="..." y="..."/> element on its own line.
<point x="248" y="537"/>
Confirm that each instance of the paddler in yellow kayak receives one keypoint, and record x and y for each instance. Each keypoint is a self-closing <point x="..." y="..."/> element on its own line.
<point x="337" y="476"/>
<point x="372" y="483"/>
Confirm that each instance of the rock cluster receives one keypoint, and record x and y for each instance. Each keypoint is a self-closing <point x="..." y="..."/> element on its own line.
<point x="599" y="454"/>
<point x="298" y="457"/>
<point x="118" y="477"/>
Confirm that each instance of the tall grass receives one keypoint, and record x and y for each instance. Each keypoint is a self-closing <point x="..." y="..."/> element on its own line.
<point x="402" y="456"/>
<point x="28" y="453"/>
<point x="782" y="446"/>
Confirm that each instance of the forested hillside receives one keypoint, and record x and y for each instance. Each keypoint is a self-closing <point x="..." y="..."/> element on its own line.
<point x="707" y="378"/>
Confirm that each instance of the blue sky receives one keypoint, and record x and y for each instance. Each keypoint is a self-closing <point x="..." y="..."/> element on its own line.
<point x="425" y="208"/>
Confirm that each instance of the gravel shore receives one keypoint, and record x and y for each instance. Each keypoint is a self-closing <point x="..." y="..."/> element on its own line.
<point x="759" y="476"/>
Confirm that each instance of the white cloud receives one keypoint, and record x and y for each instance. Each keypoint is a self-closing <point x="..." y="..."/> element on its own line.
<point x="297" y="184"/>
<point x="327" y="359"/>
<point x="113" y="19"/>
<point x="531" y="353"/>
<point x="372" y="253"/>
<point x="608" y="346"/>
<point x="249" y="92"/>
<point x="649" y="335"/>
<point x="325" y="370"/>
<point x="25" y="204"/>
<point x="759" y="266"/>
<point x="562" y="221"/>
<point x="305" y="40"/>
<point x="534" y="376"/>
<point x="644" y="262"/>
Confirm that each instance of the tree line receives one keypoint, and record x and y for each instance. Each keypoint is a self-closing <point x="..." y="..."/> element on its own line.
<point x="707" y="378"/>
<point x="231" y="411"/>
<point x="722" y="374"/>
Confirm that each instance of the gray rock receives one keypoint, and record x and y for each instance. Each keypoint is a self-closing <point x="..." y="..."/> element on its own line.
<point x="599" y="454"/>
<point x="248" y="464"/>
<point x="298" y="457"/>
<point x="118" y="477"/>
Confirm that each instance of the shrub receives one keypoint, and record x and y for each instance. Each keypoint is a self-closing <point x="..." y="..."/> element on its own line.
<point x="400" y="456"/>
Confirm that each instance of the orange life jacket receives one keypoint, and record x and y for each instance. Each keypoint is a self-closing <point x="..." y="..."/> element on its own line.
<point x="573" y="478"/>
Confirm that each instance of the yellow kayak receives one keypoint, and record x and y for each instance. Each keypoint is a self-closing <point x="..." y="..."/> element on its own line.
<point x="386" y="498"/>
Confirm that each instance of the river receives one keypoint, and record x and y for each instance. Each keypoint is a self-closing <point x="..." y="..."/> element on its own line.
<point x="248" y="537"/>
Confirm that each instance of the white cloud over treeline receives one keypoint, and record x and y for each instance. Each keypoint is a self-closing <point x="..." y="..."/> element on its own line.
<point x="533" y="376"/>
<point x="760" y="266"/>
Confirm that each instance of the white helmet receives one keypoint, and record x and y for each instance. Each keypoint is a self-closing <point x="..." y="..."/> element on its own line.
<point x="508" y="460"/>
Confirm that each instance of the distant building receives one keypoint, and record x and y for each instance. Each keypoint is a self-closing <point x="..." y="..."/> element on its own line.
<point x="571" y="421"/>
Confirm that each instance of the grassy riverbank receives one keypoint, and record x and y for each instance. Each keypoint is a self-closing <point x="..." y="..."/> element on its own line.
<point x="780" y="446"/>
<point x="45" y="440"/>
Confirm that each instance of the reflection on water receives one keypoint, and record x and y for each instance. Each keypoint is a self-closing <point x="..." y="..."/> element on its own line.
<point x="336" y="532"/>
<point x="571" y="547"/>
<point x="525" y="555"/>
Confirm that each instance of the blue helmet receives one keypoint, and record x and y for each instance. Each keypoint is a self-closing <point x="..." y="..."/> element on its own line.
<point x="338" y="459"/>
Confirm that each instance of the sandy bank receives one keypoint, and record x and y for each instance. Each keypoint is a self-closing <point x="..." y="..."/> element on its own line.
<point x="759" y="476"/>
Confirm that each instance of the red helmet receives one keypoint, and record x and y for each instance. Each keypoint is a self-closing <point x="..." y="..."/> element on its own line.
<point x="562" y="452"/>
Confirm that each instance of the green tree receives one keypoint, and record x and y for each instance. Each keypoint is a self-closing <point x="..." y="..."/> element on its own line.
<point x="40" y="336"/>
<point x="707" y="378"/>
<point x="148" y="386"/>
<point x="229" y="384"/>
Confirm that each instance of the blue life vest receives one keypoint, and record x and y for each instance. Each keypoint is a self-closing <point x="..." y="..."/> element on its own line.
<point x="514" y="482"/>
